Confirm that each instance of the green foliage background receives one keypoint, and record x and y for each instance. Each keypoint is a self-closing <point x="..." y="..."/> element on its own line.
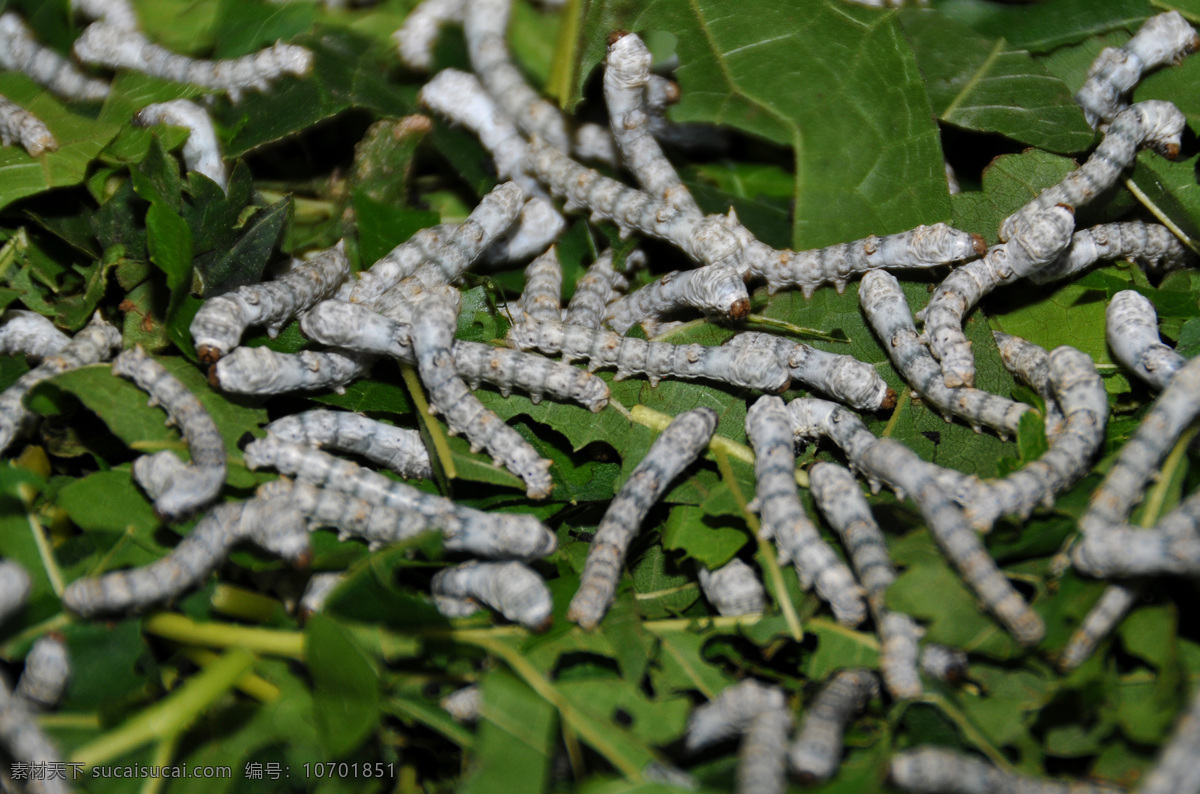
<point x="836" y="119"/>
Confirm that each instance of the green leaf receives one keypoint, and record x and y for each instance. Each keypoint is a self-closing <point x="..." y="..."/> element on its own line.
<point x="246" y="260"/>
<point x="345" y="687"/>
<point x="516" y="738"/>
<point x="1044" y="27"/>
<point x="712" y="546"/>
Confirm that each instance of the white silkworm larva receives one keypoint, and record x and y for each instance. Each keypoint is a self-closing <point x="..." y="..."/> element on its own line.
<point x="817" y="750"/>
<point x="1114" y="603"/>
<point x="742" y="367"/>
<point x="762" y="758"/>
<point x="21" y="52"/>
<point x="542" y="298"/>
<point x="1080" y="391"/>
<point x="715" y="289"/>
<point x="1176" y="769"/>
<point x="731" y="712"/>
<point x="432" y="340"/>
<point x="485" y="29"/>
<point x="18" y="124"/>
<point x="464" y="704"/>
<point x="416" y="38"/>
<point x="45" y="675"/>
<point x="96" y="342"/>
<point x="595" y="142"/>
<point x="1031" y="363"/>
<point x="350" y="325"/>
<point x="944" y="663"/>
<point x="1132" y="331"/>
<point x="502" y="538"/>
<point x="887" y="311"/>
<point x="218" y="326"/>
<point x="734" y="588"/>
<point x="1171" y="547"/>
<point x="892" y="462"/>
<point x="594" y="290"/>
<point x="320" y="586"/>
<point x="1165" y="38"/>
<point x="260" y="370"/>
<point x="513" y="589"/>
<point x="201" y="152"/>
<point x="475" y="528"/>
<point x="399" y="263"/>
<point x="118" y="13"/>
<point x="626" y="75"/>
<point x="769" y="428"/>
<point x="837" y="496"/>
<point x="929" y="770"/>
<point x="680" y="444"/>
<point x="922" y="247"/>
<point x="395" y="448"/>
<point x="199" y="483"/>
<point x="104" y="44"/>
<point x="1151" y="244"/>
<point x="272" y="524"/>
<point x="1154" y="123"/>
<point x="538" y="225"/>
<point x="15" y="586"/>
<point x="25" y="741"/>
<point x="1039" y="240"/>
<point x="844" y="378"/>
<point x="26" y="333"/>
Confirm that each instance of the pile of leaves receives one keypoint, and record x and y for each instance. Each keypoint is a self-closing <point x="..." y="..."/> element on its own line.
<point x="834" y="121"/>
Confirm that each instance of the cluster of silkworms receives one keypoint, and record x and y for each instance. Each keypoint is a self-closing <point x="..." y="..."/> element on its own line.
<point x="405" y="307"/>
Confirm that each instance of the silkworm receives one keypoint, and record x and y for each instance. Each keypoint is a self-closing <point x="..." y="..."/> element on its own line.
<point x="538" y="225"/>
<point x="511" y="588"/>
<point x="96" y="342"/>
<point x="731" y="712"/>
<point x="838" y="497"/>
<point x="27" y="333"/>
<point x="626" y="75"/>
<point x="934" y="769"/>
<point x="817" y="750"/>
<point x="260" y="370"/>
<point x="18" y="124"/>
<point x="683" y="440"/>
<point x="716" y="290"/>
<point x="21" y="52"/>
<point x="844" y="378"/>
<point x="505" y="537"/>
<point x="486" y="30"/>
<point x="118" y="13"/>
<point x="892" y="462"/>
<point x="395" y="448"/>
<point x="777" y="501"/>
<point x="275" y="525"/>
<point x="104" y="44"/>
<point x="417" y="36"/>
<point x="595" y="142"/>
<point x="944" y="663"/>
<point x="1162" y="39"/>
<point x="762" y="758"/>
<point x="887" y="311"/>
<point x="218" y="326"/>
<point x="742" y="367"/>
<point x="1080" y="391"/>
<point x="1030" y="363"/>
<point x="1151" y="244"/>
<point x="1132" y="330"/>
<point x="26" y="742"/>
<point x="734" y="588"/>
<point x="323" y="470"/>
<point x="1109" y="610"/>
<point x="399" y="263"/>
<point x="15" y="586"/>
<point x="1039" y="240"/>
<point x="464" y="704"/>
<point x="922" y="247"/>
<point x="1176" y="769"/>
<point x="542" y="298"/>
<point x="45" y="675"/>
<point x="1172" y="546"/>
<point x="352" y="326"/>
<point x="189" y="487"/>
<point x="201" y="152"/>
<point x="1153" y="123"/>
<point x="320" y="586"/>
<point x="594" y="291"/>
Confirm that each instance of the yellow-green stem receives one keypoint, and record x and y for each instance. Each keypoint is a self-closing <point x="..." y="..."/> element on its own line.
<point x="269" y="642"/>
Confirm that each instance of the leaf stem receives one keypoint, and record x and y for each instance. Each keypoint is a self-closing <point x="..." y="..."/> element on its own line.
<point x="1157" y="497"/>
<point x="171" y="714"/>
<point x="795" y="330"/>
<point x="269" y="642"/>
<point x="968" y="728"/>
<point x="252" y="684"/>
<point x="47" y="555"/>
<point x="243" y="604"/>
<point x="164" y="751"/>
<point x="424" y="416"/>
<point x="1163" y="218"/>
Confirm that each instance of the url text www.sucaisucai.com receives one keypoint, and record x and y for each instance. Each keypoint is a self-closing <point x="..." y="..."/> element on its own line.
<point x="66" y="770"/>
